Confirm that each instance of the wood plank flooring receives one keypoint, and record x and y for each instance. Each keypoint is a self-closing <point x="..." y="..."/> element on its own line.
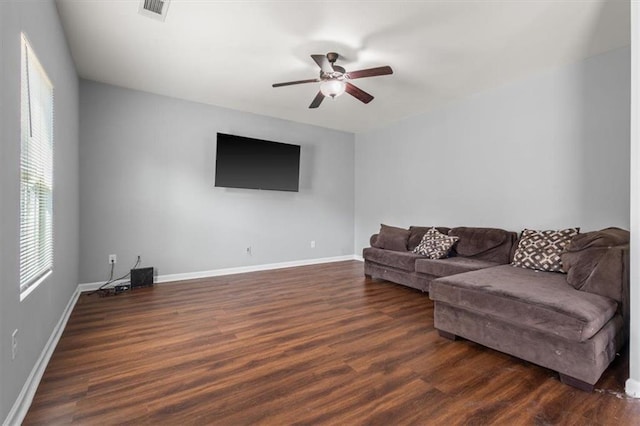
<point x="310" y="345"/>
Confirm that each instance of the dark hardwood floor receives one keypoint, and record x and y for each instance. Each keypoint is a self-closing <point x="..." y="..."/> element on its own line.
<point x="309" y="345"/>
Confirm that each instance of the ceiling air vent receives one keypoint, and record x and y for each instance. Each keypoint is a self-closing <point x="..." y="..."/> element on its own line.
<point x="156" y="9"/>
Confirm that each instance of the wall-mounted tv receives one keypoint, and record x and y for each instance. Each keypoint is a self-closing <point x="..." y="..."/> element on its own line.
<point x="256" y="164"/>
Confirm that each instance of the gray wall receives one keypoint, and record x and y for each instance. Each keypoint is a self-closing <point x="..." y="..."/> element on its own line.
<point x="36" y="316"/>
<point x="546" y="152"/>
<point x="147" y="188"/>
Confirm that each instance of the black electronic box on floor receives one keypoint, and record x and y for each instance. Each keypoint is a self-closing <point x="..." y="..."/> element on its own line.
<point x="142" y="277"/>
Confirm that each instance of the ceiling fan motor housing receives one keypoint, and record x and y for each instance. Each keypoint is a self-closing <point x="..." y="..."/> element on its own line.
<point x="338" y="71"/>
<point x="332" y="57"/>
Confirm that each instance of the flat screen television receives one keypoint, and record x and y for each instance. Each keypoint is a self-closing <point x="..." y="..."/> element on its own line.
<point x="256" y="164"/>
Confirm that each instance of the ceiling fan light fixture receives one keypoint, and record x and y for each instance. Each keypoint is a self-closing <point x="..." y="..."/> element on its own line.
<point x="332" y="88"/>
<point x="334" y="79"/>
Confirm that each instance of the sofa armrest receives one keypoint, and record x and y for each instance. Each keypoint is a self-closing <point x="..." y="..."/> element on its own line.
<point x="373" y="240"/>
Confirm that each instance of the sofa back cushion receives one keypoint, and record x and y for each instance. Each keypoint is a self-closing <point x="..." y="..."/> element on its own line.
<point x="490" y="244"/>
<point x="417" y="232"/>
<point x="598" y="262"/>
<point x="391" y="238"/>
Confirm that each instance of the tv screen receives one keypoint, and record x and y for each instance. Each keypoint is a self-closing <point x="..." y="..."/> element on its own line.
<point x="256" y="164"/>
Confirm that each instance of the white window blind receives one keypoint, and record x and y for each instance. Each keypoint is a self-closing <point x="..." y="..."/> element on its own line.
<point x="36" y="172"/>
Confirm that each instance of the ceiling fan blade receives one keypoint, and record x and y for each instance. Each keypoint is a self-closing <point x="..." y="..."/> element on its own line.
<point x="358" y="93"/>
<point x="371" y="72"/>
<point x="289" y="83"/>
<point x="323" y="63"/>
<point x="317" y="100"/>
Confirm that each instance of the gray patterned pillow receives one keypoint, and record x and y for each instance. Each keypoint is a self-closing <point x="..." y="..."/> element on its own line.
<point x="540" y="250"/>
<point x="435" y="245"/>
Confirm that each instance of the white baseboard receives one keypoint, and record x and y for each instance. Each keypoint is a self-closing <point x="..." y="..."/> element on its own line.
<point x="253" y="268"/>
<point x="632" y="388"/>
<point x="231" y="271"/>
<point x="23" y="402"/>
<point x="358" y="257"/>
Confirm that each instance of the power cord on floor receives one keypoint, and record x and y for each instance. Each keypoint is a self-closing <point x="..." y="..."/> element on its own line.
<point x="103" y="290"/>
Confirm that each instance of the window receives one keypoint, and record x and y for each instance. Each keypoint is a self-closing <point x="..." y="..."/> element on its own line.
<point x="36" y="173"/>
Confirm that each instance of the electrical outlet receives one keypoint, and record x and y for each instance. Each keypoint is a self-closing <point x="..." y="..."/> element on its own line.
<point x="248" y="250"/>
<point x="14" y="344"/>
<point x="312" y="244"/>
<point x="112" y="259"/>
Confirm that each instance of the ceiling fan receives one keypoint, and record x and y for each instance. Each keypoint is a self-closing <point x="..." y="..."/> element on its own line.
<point x="335" y="79"/>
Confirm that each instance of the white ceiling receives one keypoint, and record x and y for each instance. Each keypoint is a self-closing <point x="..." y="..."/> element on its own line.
<point x="228" y="53"/>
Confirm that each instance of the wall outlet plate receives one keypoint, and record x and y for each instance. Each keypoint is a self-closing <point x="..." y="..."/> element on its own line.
<point x="113" y="259"/>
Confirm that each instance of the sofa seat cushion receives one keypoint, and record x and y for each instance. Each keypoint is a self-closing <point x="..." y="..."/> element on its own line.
<point x="539" y="300"/>
<point x="404" y="260"/>
<point x="451" y="266"/>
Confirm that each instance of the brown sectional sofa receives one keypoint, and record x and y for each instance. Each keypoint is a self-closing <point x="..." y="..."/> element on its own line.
<point x="573" y="323"/>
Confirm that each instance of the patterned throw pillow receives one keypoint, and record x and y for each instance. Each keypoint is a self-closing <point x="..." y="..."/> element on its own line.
<point x="540" y="250"/>
<point x="435" y="245"/>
